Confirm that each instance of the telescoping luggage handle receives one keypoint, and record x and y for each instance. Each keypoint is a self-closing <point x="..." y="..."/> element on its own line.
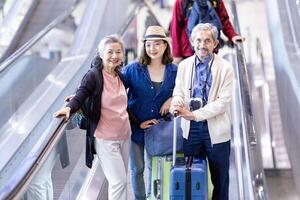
<point x="174" y="139"/>
<point x="190" y="159"/>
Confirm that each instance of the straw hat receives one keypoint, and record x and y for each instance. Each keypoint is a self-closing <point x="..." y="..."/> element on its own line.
<point x="155" y="33"/>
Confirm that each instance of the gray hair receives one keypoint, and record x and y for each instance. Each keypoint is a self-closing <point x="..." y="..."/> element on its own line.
<point x="205" y="27"/>
<point x="109" y="39"/>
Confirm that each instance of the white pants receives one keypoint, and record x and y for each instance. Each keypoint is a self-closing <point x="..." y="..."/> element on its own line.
<point x="113" y="157"/>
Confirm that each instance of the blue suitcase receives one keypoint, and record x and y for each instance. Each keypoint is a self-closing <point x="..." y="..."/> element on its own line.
<point x="188" y="182"/>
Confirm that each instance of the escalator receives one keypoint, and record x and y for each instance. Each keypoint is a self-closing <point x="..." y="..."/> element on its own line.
<point x="47" y="150"/>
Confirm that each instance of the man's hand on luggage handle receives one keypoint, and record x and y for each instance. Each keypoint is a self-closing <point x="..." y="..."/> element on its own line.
<point x="183" y="111"/>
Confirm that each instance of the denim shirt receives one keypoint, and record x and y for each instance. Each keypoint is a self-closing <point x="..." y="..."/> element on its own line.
<point x="202" y="78"/>
<point x="143" y="100"/>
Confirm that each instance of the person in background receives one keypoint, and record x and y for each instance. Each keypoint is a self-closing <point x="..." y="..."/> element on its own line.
<point x="202" y="97"/>
<point x="181" y="47"/>
<point x="150" y="82"/>
<point x="108" y="128"/>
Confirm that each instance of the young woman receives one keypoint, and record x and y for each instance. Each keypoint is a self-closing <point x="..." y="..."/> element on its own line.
<point x="150" y="83"/>
<point x="108" y="128"/>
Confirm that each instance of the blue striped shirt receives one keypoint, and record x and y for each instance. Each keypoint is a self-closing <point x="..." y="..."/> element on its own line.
<point x="202" y="78"/>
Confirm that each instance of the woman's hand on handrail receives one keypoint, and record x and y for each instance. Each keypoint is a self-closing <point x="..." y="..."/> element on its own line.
<point x="64" y="112"/>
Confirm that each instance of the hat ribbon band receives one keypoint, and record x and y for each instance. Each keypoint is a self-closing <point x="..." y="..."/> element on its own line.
<point x="155" y="36"/>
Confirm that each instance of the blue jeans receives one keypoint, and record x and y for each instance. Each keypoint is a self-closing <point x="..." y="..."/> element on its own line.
<point x="199" y="144"/>
<point x="137" y="166"/>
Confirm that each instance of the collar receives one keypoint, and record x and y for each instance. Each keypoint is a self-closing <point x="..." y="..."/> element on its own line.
<point x="205" y="61"/>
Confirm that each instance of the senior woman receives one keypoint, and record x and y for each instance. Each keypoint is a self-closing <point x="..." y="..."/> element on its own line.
<point x="108" y="129"/>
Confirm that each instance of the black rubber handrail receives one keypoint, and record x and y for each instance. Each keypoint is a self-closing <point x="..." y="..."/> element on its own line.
<point x="25" y="181"/>
<point x="244" y="81"/>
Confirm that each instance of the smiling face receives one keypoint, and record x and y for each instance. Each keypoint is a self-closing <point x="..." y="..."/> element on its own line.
<point x="112" y="55"/>
<point x="155" y="49"/>
<point x="204" y="43"/>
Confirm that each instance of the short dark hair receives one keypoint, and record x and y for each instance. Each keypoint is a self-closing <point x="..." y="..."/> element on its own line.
<point x="166" y="59"/>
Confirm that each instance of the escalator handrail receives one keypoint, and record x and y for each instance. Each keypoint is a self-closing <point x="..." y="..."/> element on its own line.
<point x="24" y="48"/>
<point x="25" y="181"/>
<point x="245" y="94"/>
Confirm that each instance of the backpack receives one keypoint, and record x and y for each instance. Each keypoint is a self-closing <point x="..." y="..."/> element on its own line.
<point x="203" y="11"/>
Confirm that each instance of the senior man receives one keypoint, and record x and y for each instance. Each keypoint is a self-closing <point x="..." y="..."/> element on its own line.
<point x="202" y="97"/>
